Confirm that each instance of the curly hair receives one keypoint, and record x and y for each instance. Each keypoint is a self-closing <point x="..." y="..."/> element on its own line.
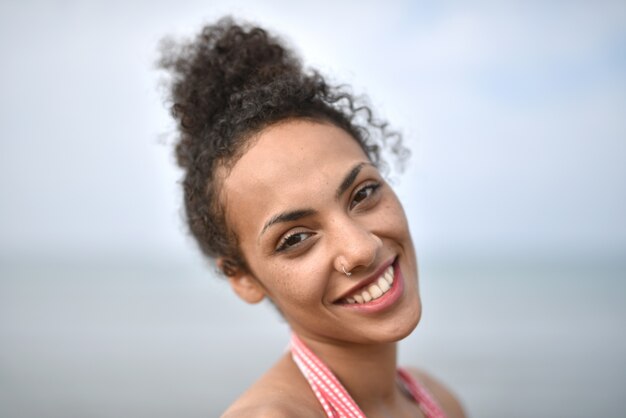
<point x="226" y="85"/>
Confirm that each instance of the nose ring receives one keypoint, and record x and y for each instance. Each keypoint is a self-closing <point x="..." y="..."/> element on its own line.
<point x="347" y="273"/>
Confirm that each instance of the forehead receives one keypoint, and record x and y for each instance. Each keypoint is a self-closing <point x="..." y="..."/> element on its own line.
<point x="290" y="166"/>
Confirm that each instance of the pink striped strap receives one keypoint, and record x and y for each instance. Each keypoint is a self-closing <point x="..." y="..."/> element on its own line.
<point x="421" y="395"/>
<point x="336" y="400"/>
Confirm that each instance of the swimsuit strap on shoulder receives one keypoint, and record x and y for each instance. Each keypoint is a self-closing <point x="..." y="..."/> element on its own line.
<point x="336" y="400"/>
<point x="421" y="395"/>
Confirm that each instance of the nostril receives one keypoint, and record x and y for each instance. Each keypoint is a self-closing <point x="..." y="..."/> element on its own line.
<point x="361" y="252"/>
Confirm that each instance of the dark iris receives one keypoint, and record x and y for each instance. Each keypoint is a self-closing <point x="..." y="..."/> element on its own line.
<point x="294" y="239"/>
<point x="291" y="240"/>
<point x="364" y="193"/>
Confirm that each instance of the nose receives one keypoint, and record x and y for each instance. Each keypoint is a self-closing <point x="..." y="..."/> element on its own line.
<point x="357" y="247"/>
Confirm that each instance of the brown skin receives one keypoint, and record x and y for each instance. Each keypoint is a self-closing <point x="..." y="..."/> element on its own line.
<point x="300" y="166"/>
<point x="283" y="392"/>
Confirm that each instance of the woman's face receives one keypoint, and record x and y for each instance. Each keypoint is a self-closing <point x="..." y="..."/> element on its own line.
<point x="306" y="203"/>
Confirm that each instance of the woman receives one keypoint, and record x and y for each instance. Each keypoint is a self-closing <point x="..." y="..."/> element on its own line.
<point x="282" y="189"/>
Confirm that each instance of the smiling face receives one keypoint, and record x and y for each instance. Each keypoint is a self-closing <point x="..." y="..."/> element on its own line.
<point x="306" y="203"/>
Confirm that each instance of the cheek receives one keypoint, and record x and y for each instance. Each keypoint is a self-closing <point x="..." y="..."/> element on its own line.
<point x="287" y="282"/>
<point x="393" y="219"/>
<point x="293" y="285"/>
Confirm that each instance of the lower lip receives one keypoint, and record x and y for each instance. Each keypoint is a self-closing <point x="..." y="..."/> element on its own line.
<point x="386" y="300"/>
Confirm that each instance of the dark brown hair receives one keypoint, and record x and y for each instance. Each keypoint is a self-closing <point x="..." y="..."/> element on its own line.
<point x="229" y="83"/>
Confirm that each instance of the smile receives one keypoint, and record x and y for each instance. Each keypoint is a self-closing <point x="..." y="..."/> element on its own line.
<point x="375" y="290"/>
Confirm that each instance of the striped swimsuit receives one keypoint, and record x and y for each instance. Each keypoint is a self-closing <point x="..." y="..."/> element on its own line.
<point x="334" y="398"/>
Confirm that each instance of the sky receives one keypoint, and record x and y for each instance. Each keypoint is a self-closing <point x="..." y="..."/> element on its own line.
<point x="514" y="112"/>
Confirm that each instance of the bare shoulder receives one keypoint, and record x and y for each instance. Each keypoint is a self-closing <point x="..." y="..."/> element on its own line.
<point x="281" y="393"/>
<point x="270" y="409"/>
<point x="446" y="399"/>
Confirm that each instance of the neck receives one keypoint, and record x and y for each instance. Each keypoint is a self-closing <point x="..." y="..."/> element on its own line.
<point x="368" y="372"/>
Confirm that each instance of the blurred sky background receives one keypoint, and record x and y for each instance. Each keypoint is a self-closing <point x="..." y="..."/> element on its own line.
<point x="516" y="193"/>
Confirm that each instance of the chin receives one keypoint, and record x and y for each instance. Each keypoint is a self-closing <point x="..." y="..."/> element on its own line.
<point x="403" y="328"/>
<point x="413" y="318"/>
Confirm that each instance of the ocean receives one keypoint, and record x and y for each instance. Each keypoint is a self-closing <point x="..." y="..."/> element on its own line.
<point x="157" y="339"/>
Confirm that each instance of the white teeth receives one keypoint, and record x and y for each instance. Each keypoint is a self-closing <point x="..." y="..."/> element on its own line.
<point x="382" y="283"/>
<point x="375" y="290"/>
<point x="389" y="275"/>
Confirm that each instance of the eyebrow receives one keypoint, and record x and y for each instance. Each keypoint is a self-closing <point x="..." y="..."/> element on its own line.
<point x="294" y="215"/>
<point x="348" y="180"/>
<point x="290" y="216"/>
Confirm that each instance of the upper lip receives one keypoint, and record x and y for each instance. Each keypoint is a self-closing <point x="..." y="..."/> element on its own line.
<point x="366" y="281"/>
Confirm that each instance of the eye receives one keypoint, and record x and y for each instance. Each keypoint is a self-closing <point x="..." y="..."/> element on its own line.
<point x="292" y="240"/>
<point x="364" y="193"/>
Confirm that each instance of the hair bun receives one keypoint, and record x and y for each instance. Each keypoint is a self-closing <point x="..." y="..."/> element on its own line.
<point x="212" y="74"/>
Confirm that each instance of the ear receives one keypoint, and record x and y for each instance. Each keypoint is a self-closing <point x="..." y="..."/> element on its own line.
<point x="245" y="285"/>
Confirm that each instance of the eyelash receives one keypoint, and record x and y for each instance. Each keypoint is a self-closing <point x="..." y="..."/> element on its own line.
<point x="372" y="187"/>
<point x="283" y="243"/>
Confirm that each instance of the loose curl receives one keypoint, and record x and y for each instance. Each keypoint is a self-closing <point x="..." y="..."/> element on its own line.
<point x="226" y="85"/>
